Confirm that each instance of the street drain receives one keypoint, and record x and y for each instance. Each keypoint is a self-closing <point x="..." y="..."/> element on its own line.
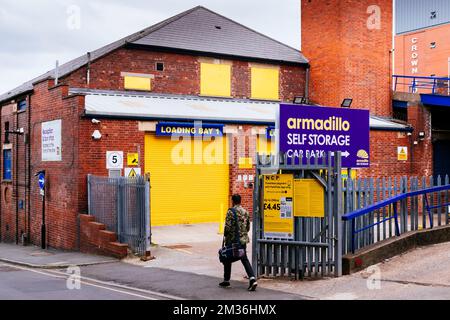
<point x="178" y="246"/>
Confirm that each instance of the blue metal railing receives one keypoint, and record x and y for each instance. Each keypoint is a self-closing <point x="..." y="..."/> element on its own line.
<point x="392" y="201"/>
<point x="433" y="85"/>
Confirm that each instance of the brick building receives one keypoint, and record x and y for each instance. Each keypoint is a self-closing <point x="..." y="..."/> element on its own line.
<point x="422" y="74"/>
<point x="126" y="96"/>
<point x="129" y="96"/>
<point x="351" y="56"/>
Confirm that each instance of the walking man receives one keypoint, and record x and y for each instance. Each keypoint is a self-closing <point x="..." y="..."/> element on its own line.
<point x="243" y="223"/>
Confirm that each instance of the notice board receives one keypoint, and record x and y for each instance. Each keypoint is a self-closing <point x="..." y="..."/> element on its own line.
<point x="309" y="198"/>
<point x="278" y="206"/>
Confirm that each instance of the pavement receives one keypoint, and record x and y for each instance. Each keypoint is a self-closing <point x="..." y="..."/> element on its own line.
<point x="35" y="257"/>
<point x="187" y="267"/>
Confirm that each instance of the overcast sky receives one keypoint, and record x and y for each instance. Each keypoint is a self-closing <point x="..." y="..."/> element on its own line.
<point x="36" y="33"/>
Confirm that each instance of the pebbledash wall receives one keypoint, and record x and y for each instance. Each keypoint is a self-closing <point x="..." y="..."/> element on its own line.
<point x="81" y="155"/>
<point x="351" y="57"/>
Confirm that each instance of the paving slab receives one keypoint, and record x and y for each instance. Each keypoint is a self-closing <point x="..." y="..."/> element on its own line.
<point x="35" y="257"/>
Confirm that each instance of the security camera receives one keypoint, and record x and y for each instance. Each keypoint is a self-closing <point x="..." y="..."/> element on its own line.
<point x="95" y="121"/>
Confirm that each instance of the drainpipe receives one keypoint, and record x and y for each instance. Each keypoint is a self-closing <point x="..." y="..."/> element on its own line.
<point x="88" y="72"/>
<point x="16" y="178"/>
<point x="28" y="172"/>
<point x="308" y="71"/>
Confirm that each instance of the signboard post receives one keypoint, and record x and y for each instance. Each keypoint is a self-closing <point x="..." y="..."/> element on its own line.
<point x="41" y="183"/>
<point x="278" y="206"/>
<point x="308" y="132"/>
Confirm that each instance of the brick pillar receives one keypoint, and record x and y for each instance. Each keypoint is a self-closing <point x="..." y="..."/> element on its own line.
<point x="348" y="43"/>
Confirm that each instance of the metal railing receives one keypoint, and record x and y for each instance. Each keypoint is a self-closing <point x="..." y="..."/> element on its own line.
<point x="429" y="85"/>
<point x="315" y="250"/>
<point x="397" y="214"/>
<point x="123" y="206"/>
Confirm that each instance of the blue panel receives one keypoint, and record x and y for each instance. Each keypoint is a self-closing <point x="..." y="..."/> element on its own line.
<point x="435" y="100"/>
<point x="189" y="129"/>
<point x="7" y="161"/>
<point x="270" y="132"/>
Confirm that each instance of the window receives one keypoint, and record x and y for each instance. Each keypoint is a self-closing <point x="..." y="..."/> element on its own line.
<point x="400" y="110"/>
<point x="433" y="45"/>
<point x="433" y="15"/>
<point x="22" y="105"/>
<point x="265" y="83"/>
<point x="6" y="132"/>
<point x="159" y="66"/>
<point x="215" y="80"/>
<point x="7" y="161"/>
<point x="135" y="81"/>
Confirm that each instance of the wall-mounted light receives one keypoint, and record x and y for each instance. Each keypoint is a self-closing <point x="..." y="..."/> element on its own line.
<point x="96" y="135"/>
<point x="422" y="135"/>
<point x="300" y="100"/>
<point x="347" y="103"/>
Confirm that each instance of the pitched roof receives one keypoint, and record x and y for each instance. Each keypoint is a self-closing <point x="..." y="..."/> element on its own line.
<point x="203" y="30"/>
<point x="193" y="30"/>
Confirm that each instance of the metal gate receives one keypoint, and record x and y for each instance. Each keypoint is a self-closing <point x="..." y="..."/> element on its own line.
<point x="316" y="249"/>
<point x="123" y="206"/>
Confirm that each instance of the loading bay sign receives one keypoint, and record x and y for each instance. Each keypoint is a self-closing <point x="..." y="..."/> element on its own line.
<point x="312" y="132"/>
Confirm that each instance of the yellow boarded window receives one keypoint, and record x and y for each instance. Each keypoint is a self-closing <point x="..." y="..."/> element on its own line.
<point x="265" y="83"/>
<point x="137" y="83"/>
<point x="215" y="80"/>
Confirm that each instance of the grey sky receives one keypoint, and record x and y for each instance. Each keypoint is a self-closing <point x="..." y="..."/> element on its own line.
<point x="36" y="33"/>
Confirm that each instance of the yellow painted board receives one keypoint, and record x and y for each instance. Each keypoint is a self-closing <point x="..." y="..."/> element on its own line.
<point x="309" y="198"/>
<point x="245" y="163"/>
<point x="278" y="195"/>
<point x="189" y="180"/>
<point x="265" y="83"/>
<point x="264" y="145"/>
<point x="215" y="80"/>
<point x="133" y="159"/>
<point x="137" y="83"/>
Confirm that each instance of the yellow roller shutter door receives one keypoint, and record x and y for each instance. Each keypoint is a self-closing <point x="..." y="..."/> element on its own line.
<point x="182" y="191"/>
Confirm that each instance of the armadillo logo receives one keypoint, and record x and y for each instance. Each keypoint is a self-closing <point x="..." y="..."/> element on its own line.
<point x="363" y="154"/>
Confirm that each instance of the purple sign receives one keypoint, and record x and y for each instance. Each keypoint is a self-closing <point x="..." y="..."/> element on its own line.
<point x="311" y="132"/>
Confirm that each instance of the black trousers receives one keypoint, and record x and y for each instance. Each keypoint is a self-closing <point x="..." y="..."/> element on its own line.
<point x="245" y="263"/>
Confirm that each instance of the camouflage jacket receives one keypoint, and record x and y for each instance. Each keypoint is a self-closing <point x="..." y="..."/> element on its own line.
<point x="230" y="225"/>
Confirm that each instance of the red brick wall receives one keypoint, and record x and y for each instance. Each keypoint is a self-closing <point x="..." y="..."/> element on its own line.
<point x="420" y="118"/>
<point x="66" y="188"/>
<point x="11" y="192"/>
<point x="181" y="74"/>
<point x="117" y="135"/>
<point x="50" y="103"/>
<point x="348" y="60"/>
<point x="429" y="61"/>
<point x="383" y="155"/>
